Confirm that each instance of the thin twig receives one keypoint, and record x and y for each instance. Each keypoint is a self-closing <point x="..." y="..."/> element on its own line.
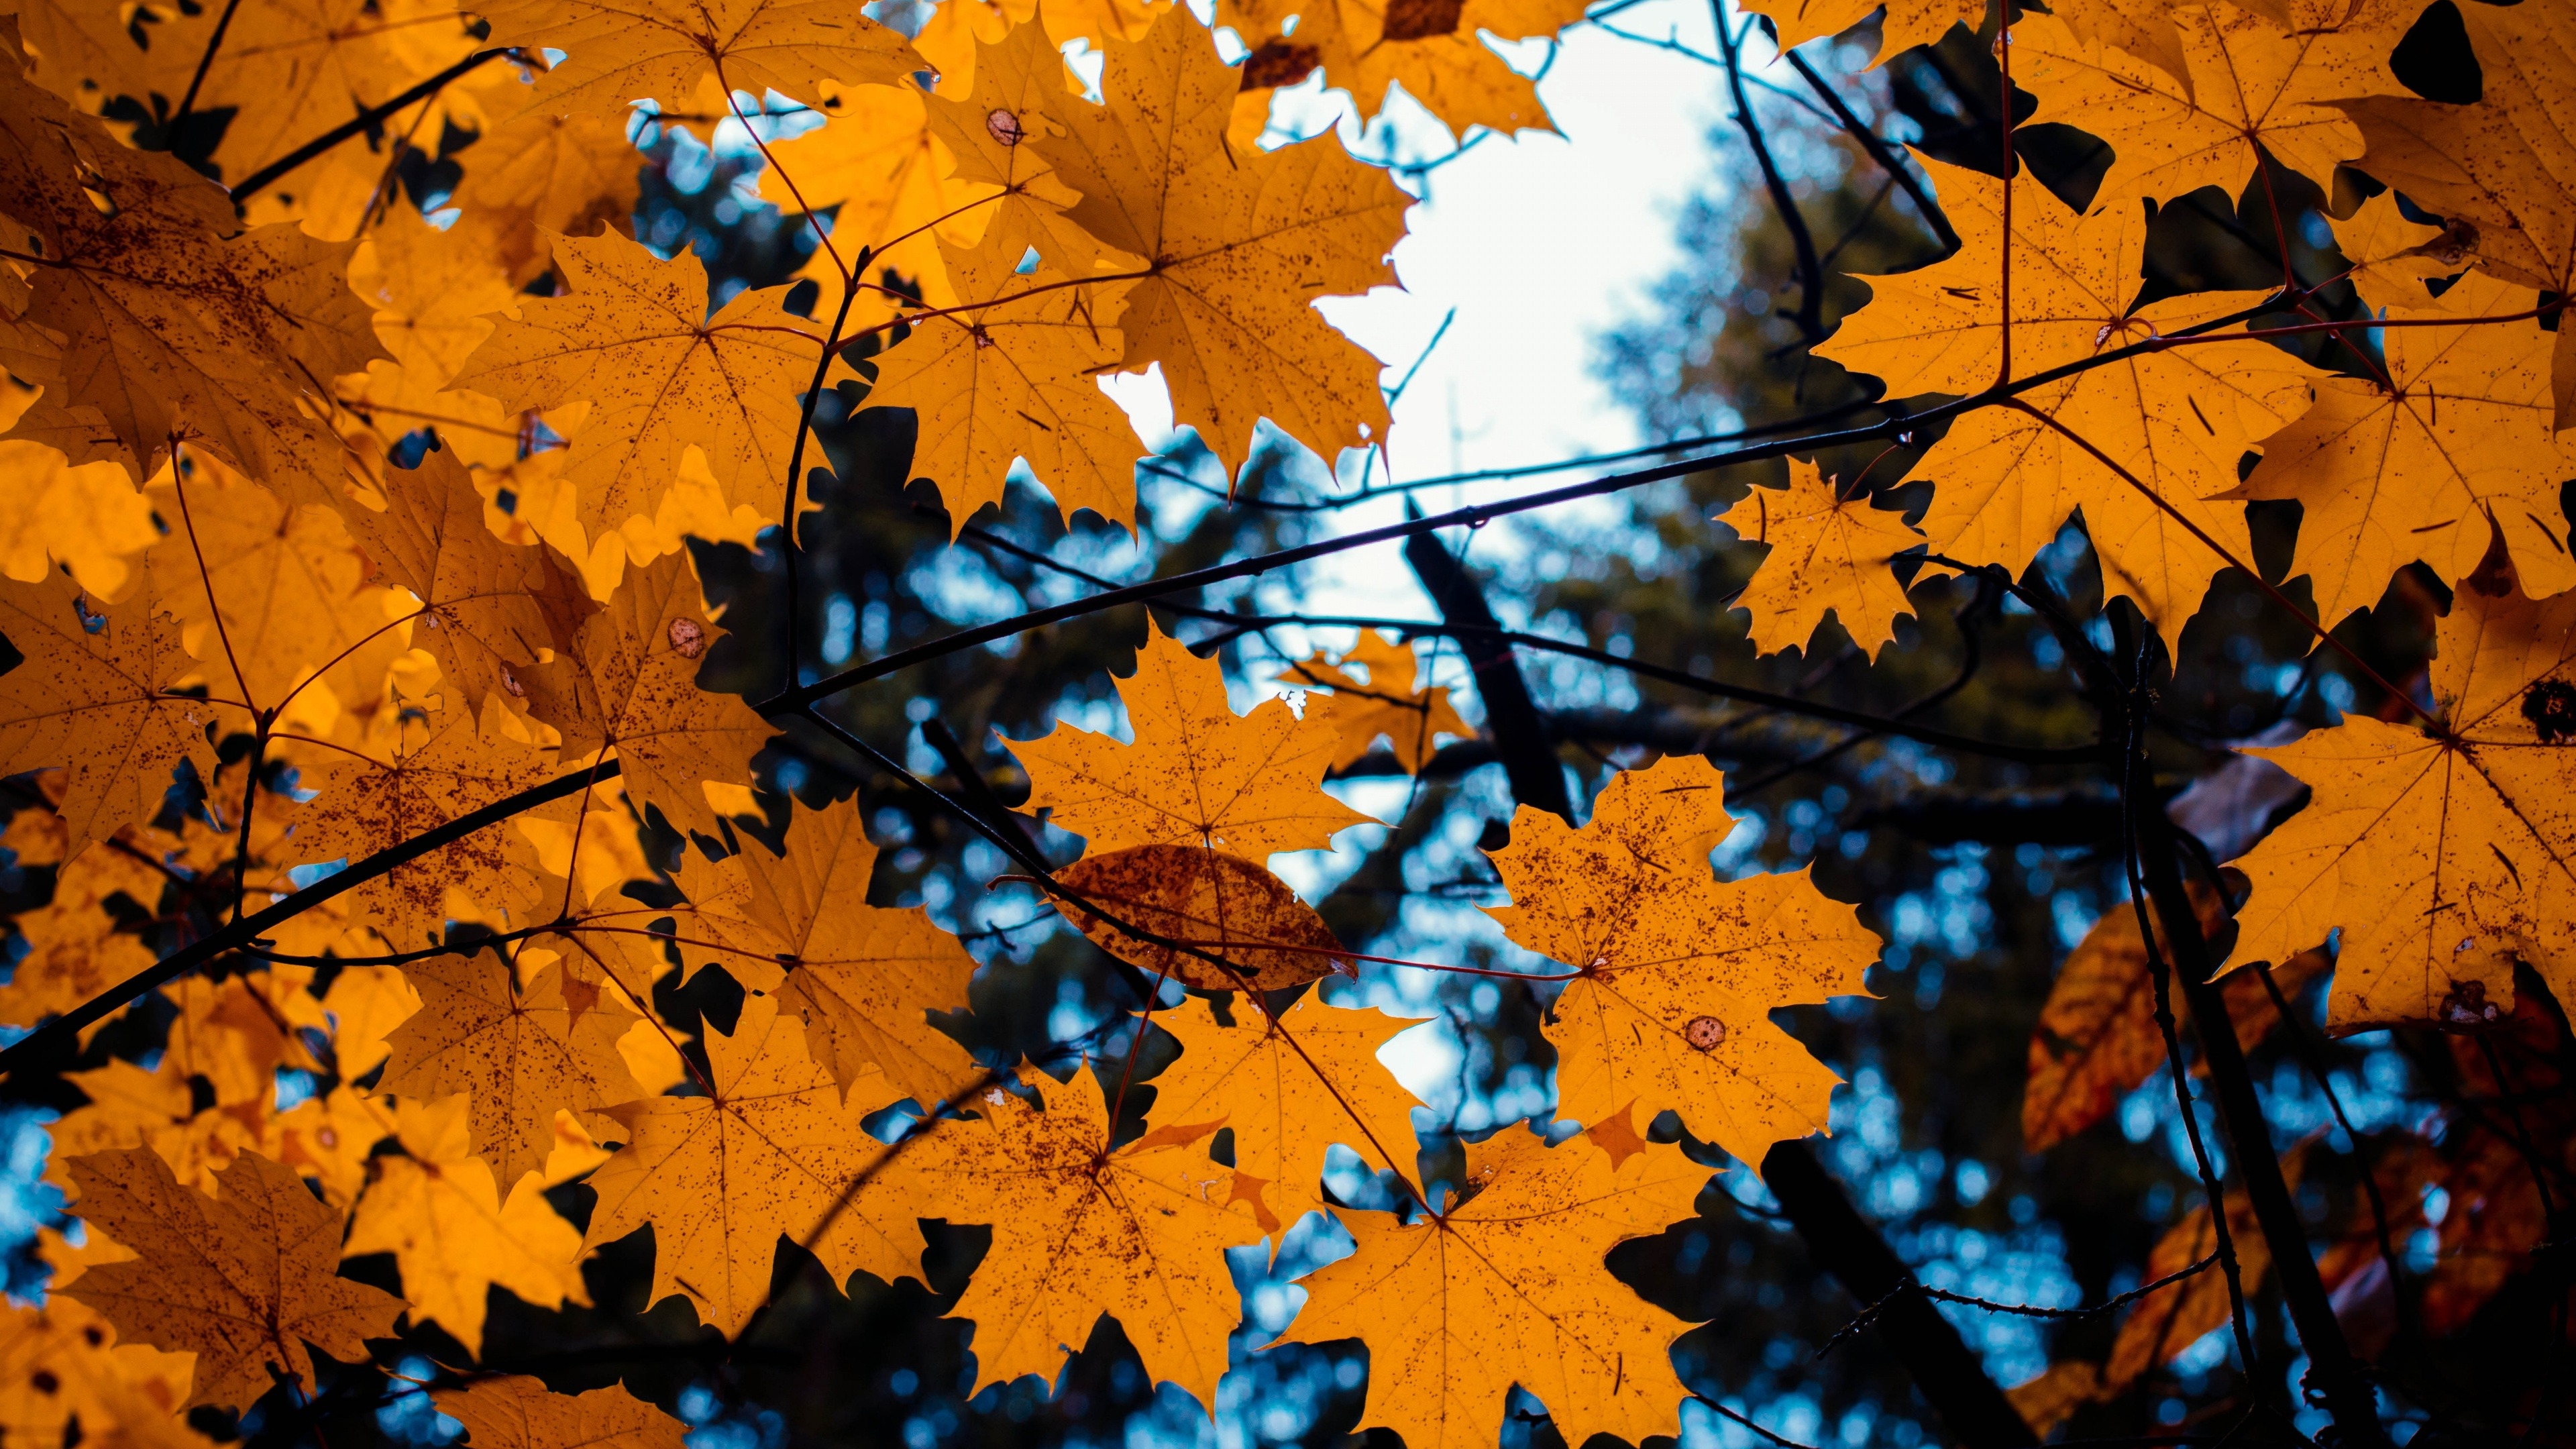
<point x="1811" y="273"/>
<point x="1868" y="140"/>
<point x="2019" y="1310"/>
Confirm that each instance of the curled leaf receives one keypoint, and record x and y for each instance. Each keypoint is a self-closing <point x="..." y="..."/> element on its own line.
<point x="1222" y="904"/>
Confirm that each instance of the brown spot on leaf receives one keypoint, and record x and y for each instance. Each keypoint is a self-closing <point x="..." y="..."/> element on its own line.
<point x="1005" y="127"/>
<point x="1422" y="19"/>
<point x="689" y="637"/>
<point x="2466" y="1004"/>
<point x="45" y="1382"/>
<point x="1706" y="1033"/>
<point x="2550" y="705"/>
<point x="1280" y="62"/>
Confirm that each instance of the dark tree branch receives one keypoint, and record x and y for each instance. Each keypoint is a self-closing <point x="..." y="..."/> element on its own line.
<point x="1663" y="735"/>
<point x="2337" y="1376"/>
<point x="1479" y="514"/>
<point x="205" y="62"/>
<point x="366" y="120"/>
<point x="1520" y="738"/>
<point x="1811" y="272"/>
<point x="1847" y="1245"/>
<point x="50" y="1048"/>
<point x="1879" y="151"/>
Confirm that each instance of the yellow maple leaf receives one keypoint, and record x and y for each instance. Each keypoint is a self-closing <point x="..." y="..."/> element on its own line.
<point x="1021" y="90"/>
<point x="2175" y="420"/>
<point x="237" y="1032"/>
<point x="60" y="1363"/>
<point x="518" y="1054"/>
<point x="95" y="702"/>
<point x="289" y="70"/>
<point x="1828" y="555"/>
<point x="633" y="339"/>
<point x="1508" y="1287"/>
<point x="434" y="290"/>
<point x="863" y="979"/>
<point x="513" y="1411"/>
<point x="442" y="767"/>
<point x="1081" y="1232"/>
<point x="2441" y="853"/>
<point x="266" y="589"/>
<point x="2392" y="257"/>
<point x="627" y="679"/>
<point x="89" y="518"/>
<point x="1288" y="1103"/>
<point x="2503" y="165"/>
<point x="1239" y="246"/>
<point x="331" y="1139"/>
<point x="2413" y="471"/>
<point x="773" y="1147"/>
<point x="878" y="169"/>
<point x="1908" y="23"/>
<point x="452" y="1236"/>
<point x="364" y="1004"/>
<point x="1678" y="972"/>
<point x="1196" y="774"/>
<point x="1015" y="378"/>
<point x="82" y="53"/>
<point x="159" y="324"/>
<point x="954" y="33"/>
<point x="578" y="871"/>
<point x="130" y="1107"/>
<point x="243" y="1279"/>
<point x="74" y="950"/>
<point x="2255" y="88"/>
<point x="2147" y="29"/>
<point x="488" y="605"/>
<point x="538" y="173"/>
<point x="1380" y="702"/>
<point x="661" y="49"/>
<point x="1433" y="48"/>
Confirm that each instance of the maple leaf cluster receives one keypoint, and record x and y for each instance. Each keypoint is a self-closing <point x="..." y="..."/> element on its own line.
<point x="403" y="650"/>
<point x="346" y="540"/>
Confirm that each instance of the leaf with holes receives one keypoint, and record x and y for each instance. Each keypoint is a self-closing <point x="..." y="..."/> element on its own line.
<point x="2442" y="851"/>
<point x="1676" y="973"/>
